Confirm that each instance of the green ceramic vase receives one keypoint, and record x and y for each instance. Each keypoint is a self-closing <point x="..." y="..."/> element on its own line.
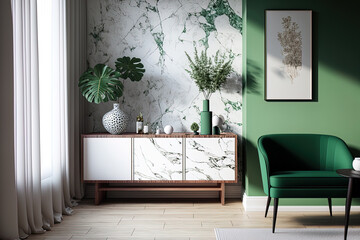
<point x="206" y="119"/>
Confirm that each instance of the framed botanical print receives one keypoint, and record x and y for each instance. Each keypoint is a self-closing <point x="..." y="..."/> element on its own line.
<point x="288" y="60"/>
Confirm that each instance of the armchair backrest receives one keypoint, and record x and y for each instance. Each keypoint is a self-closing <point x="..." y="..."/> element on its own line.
<point x="302" y="152"/>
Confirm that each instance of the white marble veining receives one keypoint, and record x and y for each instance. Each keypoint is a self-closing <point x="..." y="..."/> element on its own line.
<point x="210" y="159"/>
<point x="157" y="159"/>
<point x="159" y="32"/>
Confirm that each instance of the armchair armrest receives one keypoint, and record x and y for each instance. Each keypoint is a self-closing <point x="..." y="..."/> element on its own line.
<point x="264" y="166"/>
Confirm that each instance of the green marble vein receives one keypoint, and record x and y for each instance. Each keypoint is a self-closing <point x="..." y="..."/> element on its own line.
<point x="96" y="33"/>
<point x="215" y="9"/>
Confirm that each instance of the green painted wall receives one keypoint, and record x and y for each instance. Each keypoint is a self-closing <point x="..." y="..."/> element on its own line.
<point x="336" y="77"/>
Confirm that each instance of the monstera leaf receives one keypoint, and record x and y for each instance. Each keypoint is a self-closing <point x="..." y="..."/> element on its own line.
<point x="101" y="84"/>
<point x="130" y="68"/>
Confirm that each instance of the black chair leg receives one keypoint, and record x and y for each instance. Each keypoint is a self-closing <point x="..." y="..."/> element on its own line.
<point x="276" y="203"/>
<point x="267" y="205"/>
<point x="348" y="206"/>
<point x="330" y="206"/>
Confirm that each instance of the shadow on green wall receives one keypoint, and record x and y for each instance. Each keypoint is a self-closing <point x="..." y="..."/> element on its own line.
<point x="251" y="149"/>
<point x="315" y="57"/>
<point x="354" y="151"/>
<point x="254" y="74"/>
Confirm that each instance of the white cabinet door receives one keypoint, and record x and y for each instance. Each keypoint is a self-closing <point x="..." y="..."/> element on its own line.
<point x="210" y="159"/>
<point x="107" y="158"/>
<point x="157" y="159"/>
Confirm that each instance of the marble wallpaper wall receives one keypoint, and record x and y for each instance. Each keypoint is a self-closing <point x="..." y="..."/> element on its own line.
<point x="159" y="32"/>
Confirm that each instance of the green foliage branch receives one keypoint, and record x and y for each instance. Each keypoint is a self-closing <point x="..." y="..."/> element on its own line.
<point x="209" y="74"/>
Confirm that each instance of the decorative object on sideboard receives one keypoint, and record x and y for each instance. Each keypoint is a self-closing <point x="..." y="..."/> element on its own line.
<point x="115" y="121"/>
<point x="216" y="130"/>
<point x="205" y="118"/>
<point x="168" y="129"/>
<point x="222" y="124"/>
<point x="158" y="130"/>
<point x="217" y="123"/>
<point x="102" y="84"/>
<point x="209" y="75"/>
<point x="139" y="123"/>
<point x="195" y="128"/>
<point x="146" y="128"/>
<point x="356" y="164"/>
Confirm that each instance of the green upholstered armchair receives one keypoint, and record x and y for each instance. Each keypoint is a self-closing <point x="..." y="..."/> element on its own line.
<point x="302" y="166"/>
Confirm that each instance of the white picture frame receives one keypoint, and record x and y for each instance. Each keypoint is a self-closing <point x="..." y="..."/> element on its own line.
<point x="288" y="55"/>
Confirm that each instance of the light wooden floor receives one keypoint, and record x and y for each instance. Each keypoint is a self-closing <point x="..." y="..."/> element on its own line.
<point x="177" y="220"/>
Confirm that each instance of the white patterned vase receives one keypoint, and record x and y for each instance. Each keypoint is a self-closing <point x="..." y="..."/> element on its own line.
<point x="115" y="121"/>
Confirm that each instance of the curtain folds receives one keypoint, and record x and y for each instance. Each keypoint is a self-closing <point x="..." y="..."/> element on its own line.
<point x="54" y="115"/>
<point x="76" y="65"/>
<point x="49" y="56"/>
<point x="27" y="117"/>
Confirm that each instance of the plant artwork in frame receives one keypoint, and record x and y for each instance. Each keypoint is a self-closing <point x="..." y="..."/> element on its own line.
<point x="288" y="55"/>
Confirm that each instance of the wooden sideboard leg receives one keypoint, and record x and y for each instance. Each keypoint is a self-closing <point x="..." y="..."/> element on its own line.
<point x="222" y="192"/>
<point x="99" y="195"/>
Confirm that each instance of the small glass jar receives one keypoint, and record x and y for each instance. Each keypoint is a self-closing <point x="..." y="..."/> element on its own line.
<point x="158" y="131"/>
<point x="146" y="129"/>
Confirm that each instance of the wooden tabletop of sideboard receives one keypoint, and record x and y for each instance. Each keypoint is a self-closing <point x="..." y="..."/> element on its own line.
<point x="163" y="135"/>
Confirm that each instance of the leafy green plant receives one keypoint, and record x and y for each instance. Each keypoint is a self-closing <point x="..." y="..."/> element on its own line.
<point x="101" y="83"/>
<point x="209" y="74"/>
<point x="194" y="127"/>
<point x="130" y="68"/>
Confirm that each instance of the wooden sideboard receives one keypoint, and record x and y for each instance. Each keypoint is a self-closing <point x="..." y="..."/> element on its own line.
<point x="174" y="159"/>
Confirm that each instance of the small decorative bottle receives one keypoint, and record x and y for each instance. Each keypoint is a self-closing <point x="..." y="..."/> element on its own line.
<point x="139" y="123"/>
<point x="158" y="131"/>
<point x="146" y="128"/>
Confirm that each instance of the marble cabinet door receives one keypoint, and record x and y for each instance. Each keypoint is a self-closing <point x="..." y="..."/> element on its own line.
<point x="157" y="159"/>
<point x="107" y="158"/>
<point x="210" y="159"/>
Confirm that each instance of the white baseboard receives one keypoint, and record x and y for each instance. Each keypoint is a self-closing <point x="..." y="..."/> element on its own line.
<point x="258" y="203"/>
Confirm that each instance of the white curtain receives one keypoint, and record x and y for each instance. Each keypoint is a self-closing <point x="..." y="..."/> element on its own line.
<point x="76" y="65"/>
<point x="54" y="140"/>
<point x="27" y="116"/>
<point x="47" y="109"/>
